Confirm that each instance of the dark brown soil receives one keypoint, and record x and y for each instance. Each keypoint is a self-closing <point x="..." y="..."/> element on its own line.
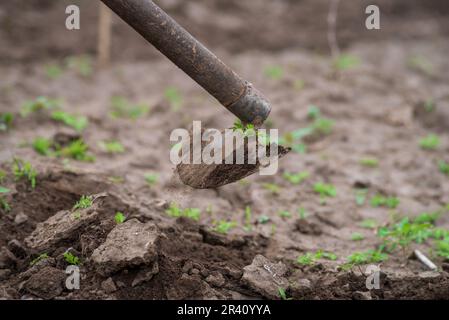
<point x="379" y="109"/>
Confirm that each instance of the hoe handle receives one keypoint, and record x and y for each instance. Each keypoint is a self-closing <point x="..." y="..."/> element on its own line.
<point x="158" y="28"/>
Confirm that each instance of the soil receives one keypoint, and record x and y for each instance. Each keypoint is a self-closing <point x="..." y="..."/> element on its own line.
<point x="378" y="108"/>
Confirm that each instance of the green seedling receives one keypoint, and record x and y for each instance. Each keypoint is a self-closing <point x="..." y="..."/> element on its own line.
<point x="24" y="170"/>
<point x="283" y="294"/>
<point x="367" y="257"/>
<point x="53" y="71"/>
<point x="174" y="98"/>
<point x="111" y="147"/>
<point x="296" y="178"/>
<point x="248" y="218"/>
<point x="310" y="258"/>
<point x="77" y="215"/>
<point x="2" y="175"/>
<point x="426" y="217"/>
<point x="43" y="146"/>
<point x="430" y="105"/>
<point x="176" y="212"/>
<point x="381" y="201"/>
<point x="41" y="257"/>
<point x="356" y="236"/>
<point x="325" y="190"/>
<point x="116" y="179"/>
<point x="369" y="224"/>
<point x="274" y="72"/>
<point x="272" y="187"/>
<point x="264" y="219"/>
<point x="119" y="218"/>
<point x="6" y="120"/>
<point x="369" y="162"/>
<point x="77" y="150"/>
<point x="430" y="142"/>
<point x="223" y="226"/>
<point x="151" y="179"/>
<point x="80" y="64"/>
<point x="122" y="108"/>
<point x="360" y="196"/>
<point x="294" y="140"/>
<point x="40" y="104"/>
<point x="84" y="202"/>
<point x="3" y="203"/>
<point x="302" y="213"/>
<point x="273" y="229"/>
<point x="442" y="248"/>
<point x="245" y="129"/>
<point x="285" y="214"/>
<point x="444" y="167"/>
<point x="323" y="126"/>
<point x="420" y="64"/>
<point x="314" y="112"/>
<point x="346" y="62"/>
<point x="403" y="233"/>
<point x="79" y="123"/>
<point x="71" y="259"/>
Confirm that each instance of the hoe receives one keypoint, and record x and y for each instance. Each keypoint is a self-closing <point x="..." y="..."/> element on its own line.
<point x="234" y="93"/>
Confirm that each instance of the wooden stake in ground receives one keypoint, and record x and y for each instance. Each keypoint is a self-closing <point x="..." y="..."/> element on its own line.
<point x="104" y="36"/>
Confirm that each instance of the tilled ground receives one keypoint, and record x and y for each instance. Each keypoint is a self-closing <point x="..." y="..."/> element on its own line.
<point x="379" y="110"/>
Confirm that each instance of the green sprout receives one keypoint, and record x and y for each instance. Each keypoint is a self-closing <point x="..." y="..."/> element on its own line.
<point x="119" y="218"/>
<point x="430" y="142"/>
<point x="442" y="248"/>
<point x="2" y="175"/>
<point x="41" y="103"/>
<point x="310" y="258"/>
<point x="248" y="218"/>
<point x="296" y="178"/>
<point x="382" y="201"/>
<point x="174" y="98"/>
<point x="223" y="226"/>
<point x="302" y="213"/>
<point x="264" y="219"/>
<point x="77" y="150"/>
<point x="6" y="120"/>
<point x="272" y="187"/>
<point x="325" y="190"/>
<point x="405" y="232"/>
<point x="84" y="202"/>
<point x="80" y="64"/>
<point x="366" y="257"/>
<point x="314" y="112"/>
<point x="3" y="203"/>
<point x="41" y="257"/>
<point x="294" y="140"/>
<point x="43" y="146"/>
<point x="23" y="169"/>
<point x="323" y="126"/>
<point x="111" y="147"/>
<point x="79" y="123"/>
<point x="427" y="217"/>
<point x="420" y="64"/>
<point x="346" y="62"/>
<point x="285" y="214"/>
<point x="246" y="129"/>
<point x="430" y="105"/>
<point x="71" y="259"/>
<point x="369" y="224"/>
<point x="122" y="108"/>
<point x="274" y="72"/>
<point x="176" y="212"/>
<point x="369" y="162"/>
<point x="151" y="178"/>
<point x="360" y="196"/>
<point x="53" y="71"/>
<point x="283" y="294"/>
<point x="444" y="167"/>
<point x="356" y="236"/>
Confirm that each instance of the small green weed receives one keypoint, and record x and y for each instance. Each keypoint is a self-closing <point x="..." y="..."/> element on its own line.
<point x="382" y="201"/>
<point x="369" y="162"/>
<point x="296" y="178"/>
<point x="119" y="218"/>
<point x="122" y="108"/>
<point x="223" y="226"/>
<point x="111" y="147"/>
<point x="176" y="212"/>
<point x="79" y="123"/>
<point x="274" y="72"/>
<point x="24" y="170"/>
<point x="41" y="103"/>
<point x="84" y="202"/>
<point x="41" y="257"/>
<point x="6" y="120"/>
<point x="71" y="259"/>
<point x="430" y="142"/>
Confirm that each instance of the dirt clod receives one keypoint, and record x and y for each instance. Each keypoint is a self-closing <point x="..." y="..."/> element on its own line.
<point x="46" y="284"/>
<point x="130" y="244"/>
<point x="265" y="277"/>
